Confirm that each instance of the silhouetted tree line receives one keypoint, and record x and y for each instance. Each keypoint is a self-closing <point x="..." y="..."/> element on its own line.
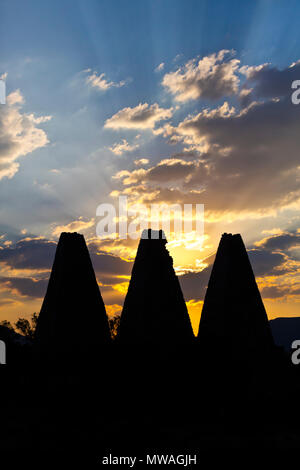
<point x="27" y="327"/>
<point x="23" y="326"/>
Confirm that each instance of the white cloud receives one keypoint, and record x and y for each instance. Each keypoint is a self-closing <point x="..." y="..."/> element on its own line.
<point x="76" y="225"/>
<point x="141" y="161"/>
<point x="212" y="77"/>
<point x="160" y="67"/>
<point x="19" y="135"/>
<point x="295" y="63"/>
<point x="245" y="92"/>
<point x="15" y="98"/>
<point x="40" y="119"/>
<point x="124" y="146"/>
<point x="131" y="177"/>
<point x="142" y="116"/>
<point x="250" y="70"/>
<point x="99" y="81"/>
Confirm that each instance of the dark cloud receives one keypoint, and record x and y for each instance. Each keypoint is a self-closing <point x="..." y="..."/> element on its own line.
<point x="243" y="149"/>
<point x="34" y="254"/>
<point x="170" y="170"/>
<point x="274" y="292"/>
<point x="262" y="141"/>
<point x="38" y="255"/>
<point x="107" y="280"/>
<point x="108" y="266"/>
<point x="26" y="286"/>
<point x="185" y="153"/>
<point x="194" y="285"/>
<point x="281" y="242"/>
<point x="269" y="81"/>
<point x="271" y="256"/>
<point x="266" y="263"/>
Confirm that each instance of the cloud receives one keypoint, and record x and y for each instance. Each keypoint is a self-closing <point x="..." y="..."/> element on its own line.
<point x="122" y="147"/>
<point x="130" y="177"/>
<point x="212" y="77"/>
<point x="35" y="288"/>
<point x="15" y="97"/>
<point x="100" y="82"/>
<point x="113" y="310"/>
<point x="19" y="134"/>
<point x="279" y="242"/>
<point x="26" y="268"/>
<point x="74" y="226"/>
<point x="194" y="284"/>
<point x="284" y="291"/>
<point x="186" y="153"/>
<point x="269" y="81"/>
<point x="236" y="149"/>
<point x="251" y="70"/>
<point x="160" y="67"/>
<point x="142" y="116"/>
<point x="232" y="149"/>
<point x="108" y="265"/>
<point x="277" y="265"/>
<point x="267" y="263"/>
<point x="274" y="292"/>
<point x="37" y="254"/>
<point x="141" y="161"/>
<point x="169" y="169"/>
<point x="29" y="254"/>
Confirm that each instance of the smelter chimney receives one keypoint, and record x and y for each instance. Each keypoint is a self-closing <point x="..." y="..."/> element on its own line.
<point x="234" y="318"/>
<point x="154" y="310"/>
<point x="72" y="325"/>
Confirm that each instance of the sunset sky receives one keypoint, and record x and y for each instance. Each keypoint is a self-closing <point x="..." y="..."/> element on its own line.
<point x="174" y="101"/>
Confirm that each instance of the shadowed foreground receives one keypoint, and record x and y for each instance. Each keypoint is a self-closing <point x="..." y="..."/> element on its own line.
<point x="156" y="387"/>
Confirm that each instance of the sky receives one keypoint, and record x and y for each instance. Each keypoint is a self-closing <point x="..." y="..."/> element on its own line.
<point x="164" y="101"/>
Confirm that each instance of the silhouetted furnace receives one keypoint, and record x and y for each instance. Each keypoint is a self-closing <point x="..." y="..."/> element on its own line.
<point x="233" y="316"/>
<point x="72" y="324"/>
<point x="154" y="309"/>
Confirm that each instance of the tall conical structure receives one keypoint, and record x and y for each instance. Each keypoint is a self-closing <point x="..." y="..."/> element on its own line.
<point x="72" y="324"/>
<point x="154" y="309"/>
<point x="233" y="315"/>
